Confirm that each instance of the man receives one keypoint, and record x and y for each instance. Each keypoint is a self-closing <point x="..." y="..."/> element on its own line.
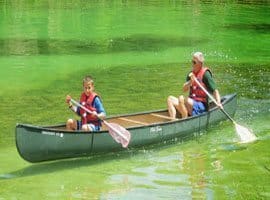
<point x="197" y="102"/>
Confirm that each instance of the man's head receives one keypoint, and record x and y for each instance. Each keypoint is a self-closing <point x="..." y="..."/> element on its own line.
<point x="197" y="61"/>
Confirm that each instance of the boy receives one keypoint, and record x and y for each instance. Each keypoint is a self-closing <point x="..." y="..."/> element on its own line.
<point x="90" y="100"/>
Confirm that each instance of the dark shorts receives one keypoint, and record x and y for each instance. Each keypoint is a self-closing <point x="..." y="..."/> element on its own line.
<point x="198" y="108"/>
<point x="92" y="126"/>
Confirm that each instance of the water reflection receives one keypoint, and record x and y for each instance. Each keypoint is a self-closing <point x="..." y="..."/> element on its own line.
<point x="261" y="28"/>
<point x="253" y="2"/>
<point x="167" y="177"/>
<point x="65" y="164"/>
<point x="103" y="27"/>
<point x="21" y="46"/>
<point x="232" y="147"/>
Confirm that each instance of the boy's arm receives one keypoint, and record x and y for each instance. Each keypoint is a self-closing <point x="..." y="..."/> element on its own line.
<point x="101" y="114"/>
<point x="74" y="108"/>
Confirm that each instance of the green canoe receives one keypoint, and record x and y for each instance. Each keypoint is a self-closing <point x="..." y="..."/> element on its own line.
<point x="37" y="143"/>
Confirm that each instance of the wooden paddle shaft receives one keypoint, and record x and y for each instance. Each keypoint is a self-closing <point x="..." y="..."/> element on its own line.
<point x="81" y="106"/>
<point x="105" y="122"/>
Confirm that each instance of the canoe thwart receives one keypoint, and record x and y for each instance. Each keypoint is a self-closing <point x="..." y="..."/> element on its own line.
<point x="163" y="116"/>
<point x="133" y="121"/>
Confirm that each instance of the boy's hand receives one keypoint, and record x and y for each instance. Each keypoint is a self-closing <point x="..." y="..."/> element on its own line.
<point x="68" y="98"/>
<point x="94" y="113"/>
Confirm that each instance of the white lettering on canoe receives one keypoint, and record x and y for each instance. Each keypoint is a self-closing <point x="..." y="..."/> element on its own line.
<point x="52" y="133"/>
<point x="155" y="129"/>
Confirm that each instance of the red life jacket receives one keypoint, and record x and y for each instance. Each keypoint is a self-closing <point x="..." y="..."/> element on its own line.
<point x="88" y="101"/>
<point x="195" y="91"/>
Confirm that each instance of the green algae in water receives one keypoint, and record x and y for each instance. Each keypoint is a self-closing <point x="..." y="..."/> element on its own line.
<point x="139" y="53"/>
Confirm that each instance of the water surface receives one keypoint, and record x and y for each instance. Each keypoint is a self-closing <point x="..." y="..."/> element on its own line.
<point x="139" y="53"/>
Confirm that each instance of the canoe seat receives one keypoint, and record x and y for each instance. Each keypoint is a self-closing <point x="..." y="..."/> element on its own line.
<point x="133" y="121"/>
<point x="163" y="116"/>
<point x="141" y="119"/>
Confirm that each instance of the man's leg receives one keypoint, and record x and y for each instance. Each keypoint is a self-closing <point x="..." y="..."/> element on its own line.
<point x="172" y="104"/>
<point x="189" y="105"/>
<point x="182" y="107"/>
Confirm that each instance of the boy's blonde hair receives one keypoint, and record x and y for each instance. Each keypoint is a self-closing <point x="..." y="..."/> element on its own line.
<point x="87" y="79"/>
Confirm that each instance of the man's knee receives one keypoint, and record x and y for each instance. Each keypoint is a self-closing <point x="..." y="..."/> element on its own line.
<point x="181" y="99"/>
<point x="189" y="101"/>
<point x="169" y="99"/>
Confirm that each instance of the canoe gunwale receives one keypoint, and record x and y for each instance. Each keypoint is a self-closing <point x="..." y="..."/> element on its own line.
<point x="53" y="128"/>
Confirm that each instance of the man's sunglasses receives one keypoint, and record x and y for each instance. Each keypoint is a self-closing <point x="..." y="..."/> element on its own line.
<point x="194" y="62"/>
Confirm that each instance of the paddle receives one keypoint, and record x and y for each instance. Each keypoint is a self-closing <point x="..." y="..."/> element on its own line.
<point x="244" y="134"/>
<point x="118" y="133"/>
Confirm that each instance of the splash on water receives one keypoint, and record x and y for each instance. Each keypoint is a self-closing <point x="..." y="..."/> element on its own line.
<point x="244" y="134"/>
<point x="7" y="176"/>
<point x="232" y="147"/>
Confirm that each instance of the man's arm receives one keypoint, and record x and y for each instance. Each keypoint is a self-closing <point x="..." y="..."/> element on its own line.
<point x="211" y="85"/>
<point x="188" y="83"/>
<point x="217" y="97"/>
<point x="186" y="86"/>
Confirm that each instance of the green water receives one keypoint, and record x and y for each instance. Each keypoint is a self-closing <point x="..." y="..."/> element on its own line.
<point x="139" y="53"/>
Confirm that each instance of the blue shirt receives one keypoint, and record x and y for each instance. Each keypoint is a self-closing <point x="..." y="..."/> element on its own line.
<point x="98" y="105"/>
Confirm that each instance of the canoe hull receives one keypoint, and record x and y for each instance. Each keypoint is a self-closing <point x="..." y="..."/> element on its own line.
<point x="36" y="144"/>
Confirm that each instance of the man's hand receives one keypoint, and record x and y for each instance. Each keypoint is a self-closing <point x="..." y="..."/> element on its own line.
<point x="192" y="77"/>
<point x="217" y="98"/>
<point x="220" y="105"/>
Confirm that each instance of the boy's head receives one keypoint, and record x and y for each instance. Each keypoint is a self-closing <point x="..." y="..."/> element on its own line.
<point x="88" y="85"/>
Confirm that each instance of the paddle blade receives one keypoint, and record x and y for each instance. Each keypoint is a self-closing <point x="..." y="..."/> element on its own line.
<point x="119" y="133"/>
<point x="244" y="134"/>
